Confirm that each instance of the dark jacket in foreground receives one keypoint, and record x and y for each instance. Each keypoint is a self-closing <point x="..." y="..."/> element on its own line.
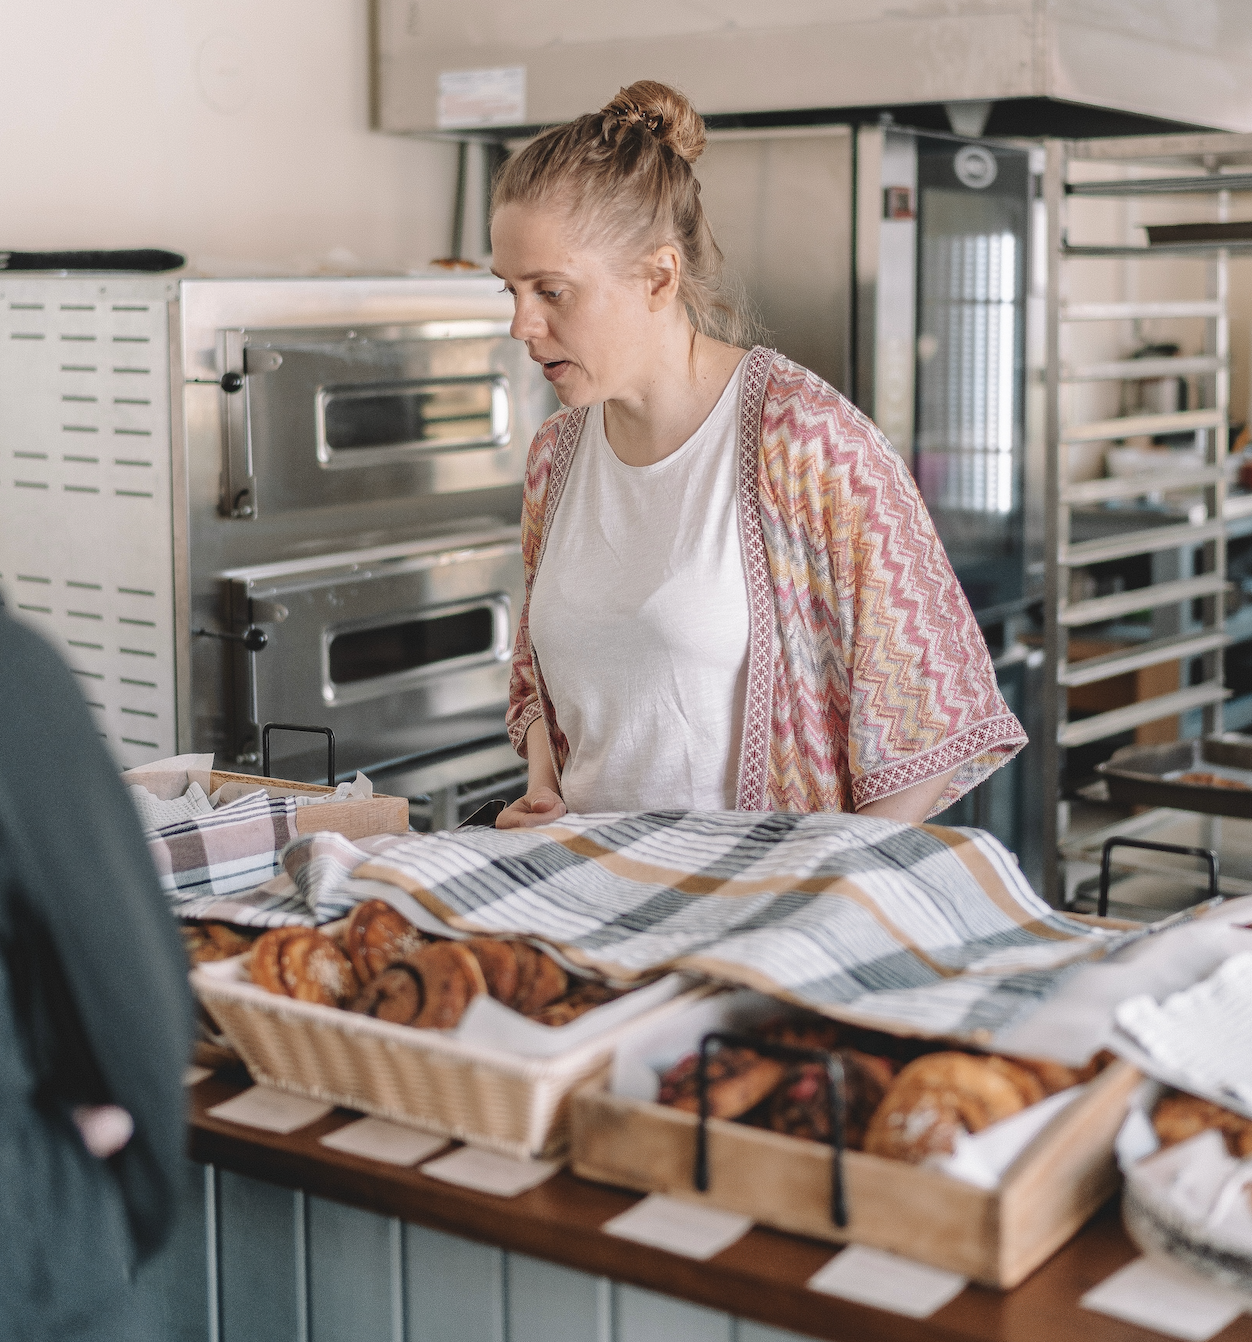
<point x="94" y="1008"/>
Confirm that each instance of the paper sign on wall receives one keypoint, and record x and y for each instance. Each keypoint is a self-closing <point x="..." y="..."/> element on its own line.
<point x="473" y="98"/>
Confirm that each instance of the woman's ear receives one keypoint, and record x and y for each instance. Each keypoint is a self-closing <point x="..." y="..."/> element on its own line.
<point x="664" y="269"/>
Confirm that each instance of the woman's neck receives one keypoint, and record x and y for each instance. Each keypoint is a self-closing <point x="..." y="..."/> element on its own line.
<point x="671" y="398"/>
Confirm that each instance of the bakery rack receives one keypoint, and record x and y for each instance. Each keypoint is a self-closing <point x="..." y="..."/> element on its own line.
<point x="1170" y="631"/>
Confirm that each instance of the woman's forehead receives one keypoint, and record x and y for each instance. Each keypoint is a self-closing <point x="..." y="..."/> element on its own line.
<point x="532" y="242"/>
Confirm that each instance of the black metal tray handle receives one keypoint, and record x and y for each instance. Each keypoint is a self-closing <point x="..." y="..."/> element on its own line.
<point x="1207" y="854"/>
<point x="784" y="1053"/>
<point x="296" y="727"/>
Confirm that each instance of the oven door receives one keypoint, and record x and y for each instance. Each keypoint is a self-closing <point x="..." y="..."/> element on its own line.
<point x="331" y="417"/>
<point x="402" y="650"/>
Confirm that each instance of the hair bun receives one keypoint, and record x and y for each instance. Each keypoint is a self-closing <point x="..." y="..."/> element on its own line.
<point x="663" y="111"/>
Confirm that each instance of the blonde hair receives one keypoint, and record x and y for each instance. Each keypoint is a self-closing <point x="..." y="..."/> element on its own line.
<point x="626" y="169"/>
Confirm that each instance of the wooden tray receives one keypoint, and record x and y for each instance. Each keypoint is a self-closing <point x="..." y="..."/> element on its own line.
<point x="355" y="819"/>
<point x="1135" y="775"/>
<point x="996" y="1236"/>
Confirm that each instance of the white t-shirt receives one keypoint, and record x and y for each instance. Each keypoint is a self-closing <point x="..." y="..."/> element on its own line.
<point x="639" y="618"/>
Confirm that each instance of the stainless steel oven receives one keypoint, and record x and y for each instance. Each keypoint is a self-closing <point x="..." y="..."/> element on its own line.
<point x="233" y="501"/>
<point x="403" y="650"/>
<point x="363" y="515"/>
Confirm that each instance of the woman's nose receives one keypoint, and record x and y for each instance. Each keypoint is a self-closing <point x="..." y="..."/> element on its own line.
<point x="527" y="323"/>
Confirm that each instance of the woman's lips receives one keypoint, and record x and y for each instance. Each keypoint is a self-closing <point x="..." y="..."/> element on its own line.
<point x="555" y="369"/>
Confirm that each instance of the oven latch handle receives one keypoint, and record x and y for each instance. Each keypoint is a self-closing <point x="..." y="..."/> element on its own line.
<point x="252" y="638"/>
<point x="237" y="492"/>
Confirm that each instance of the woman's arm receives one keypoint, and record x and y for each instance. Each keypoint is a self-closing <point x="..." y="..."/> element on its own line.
<point x="910" y="804"/>
<point x="542" y="803"/>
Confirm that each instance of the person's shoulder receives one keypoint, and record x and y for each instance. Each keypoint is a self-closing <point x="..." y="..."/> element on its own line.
<point x="26" y="654"/>
<point x="802" y="410"/>
<point x="549" y="433"/>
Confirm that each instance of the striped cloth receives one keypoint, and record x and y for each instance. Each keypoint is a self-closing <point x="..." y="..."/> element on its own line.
<point x="923" y="928"/>
<point x="228" y="852"/>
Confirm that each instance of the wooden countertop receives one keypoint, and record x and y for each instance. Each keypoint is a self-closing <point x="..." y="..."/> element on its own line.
<point x="761" y="1277"/>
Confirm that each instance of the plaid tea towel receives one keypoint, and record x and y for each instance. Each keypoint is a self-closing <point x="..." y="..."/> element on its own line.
<point x="230" y="851"/>
<point x="920" y="928"/>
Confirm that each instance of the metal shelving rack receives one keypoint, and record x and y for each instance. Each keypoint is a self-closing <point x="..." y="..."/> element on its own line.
<point x="1188" y="605"/>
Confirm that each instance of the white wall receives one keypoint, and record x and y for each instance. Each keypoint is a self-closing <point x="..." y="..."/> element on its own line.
<point x="236" y="133"/>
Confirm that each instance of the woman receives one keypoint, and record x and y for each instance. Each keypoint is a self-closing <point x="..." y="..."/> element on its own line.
<point x="735" y="596"/>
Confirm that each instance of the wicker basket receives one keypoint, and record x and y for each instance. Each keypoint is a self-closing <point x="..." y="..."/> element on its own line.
<point x="422" y="1078"/>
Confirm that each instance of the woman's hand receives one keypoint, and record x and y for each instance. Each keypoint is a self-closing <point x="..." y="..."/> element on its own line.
<point x="540" y="806"/>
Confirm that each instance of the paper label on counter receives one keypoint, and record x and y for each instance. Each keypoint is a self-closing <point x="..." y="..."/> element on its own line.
<point x="470" y="98"/>
<point x="376" y="1139"/>
<point x="488" y="1172"/>
<point x="1161" y="1295"/>
<point x="887" y="1281"/>
<point x="685" y="1228"/>
<point x="273" y="1110"/>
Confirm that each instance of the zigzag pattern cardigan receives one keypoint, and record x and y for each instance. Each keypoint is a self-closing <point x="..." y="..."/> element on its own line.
<point x="867" y="672"/>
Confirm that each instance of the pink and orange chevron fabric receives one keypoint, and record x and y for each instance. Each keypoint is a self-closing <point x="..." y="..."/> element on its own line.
<point x="867" y="672"/>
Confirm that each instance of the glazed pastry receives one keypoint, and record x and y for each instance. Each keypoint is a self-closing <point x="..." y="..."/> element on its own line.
<point x="798" y="1106"/>
<point x="738" y="1080"/>
<point x="498" y="961"/>
<point x="1202" y="778"/>
<point x="303" y="963"/>
<point x="1028" y="1082"/>
<point x="205" y="942"/>
<point x="804" y="1032"/>
<point x="1178" y="1117"/>
<point x="1055" y="1076"/>
<point x="264" y="963"/>
<point x="577" y="1002"/>
<point x="377" y="936"/>
<point x="395" y="995"/>
<point x="451" y="979"/>
<point x="540" y="979"/>
<point x="937" y="1097"/>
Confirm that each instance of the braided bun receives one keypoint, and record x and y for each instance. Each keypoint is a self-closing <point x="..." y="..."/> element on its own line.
<point x="660" y="110"/>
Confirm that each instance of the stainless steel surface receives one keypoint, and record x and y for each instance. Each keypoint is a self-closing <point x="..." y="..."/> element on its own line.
<point x="294" y="336"/>
<point x="86" y="531"/>
<point x="778" y="203"/>
<point x="349" y="415"/>
<point x="404" y="694"/>
<point x="1139" y="776"/>
<point x="1186" y="561"/>
<point x="1162" y="58"/>
<point x="113" y="420"/>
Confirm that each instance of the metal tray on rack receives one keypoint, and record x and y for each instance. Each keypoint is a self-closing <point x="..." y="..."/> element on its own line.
<point x="1148" y="775"/>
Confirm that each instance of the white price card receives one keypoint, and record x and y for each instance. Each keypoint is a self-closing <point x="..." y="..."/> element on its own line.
<point x="273" y="1110"/>
<point x="887" y="1281"/>
<point x="684" y="1228"/>
<point x="1159" y="1294"/>
<point x="469" y="98"/>
<point x="488" y="1172"/>
<point x="376" y="1139"/>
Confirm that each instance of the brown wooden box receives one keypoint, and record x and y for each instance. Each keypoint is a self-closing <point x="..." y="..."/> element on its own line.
<point x="356" y="819"/>
<point x="993" y="1236"/>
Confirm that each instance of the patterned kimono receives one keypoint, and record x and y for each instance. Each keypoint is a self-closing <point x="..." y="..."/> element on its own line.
<point x="867" y="672"/>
